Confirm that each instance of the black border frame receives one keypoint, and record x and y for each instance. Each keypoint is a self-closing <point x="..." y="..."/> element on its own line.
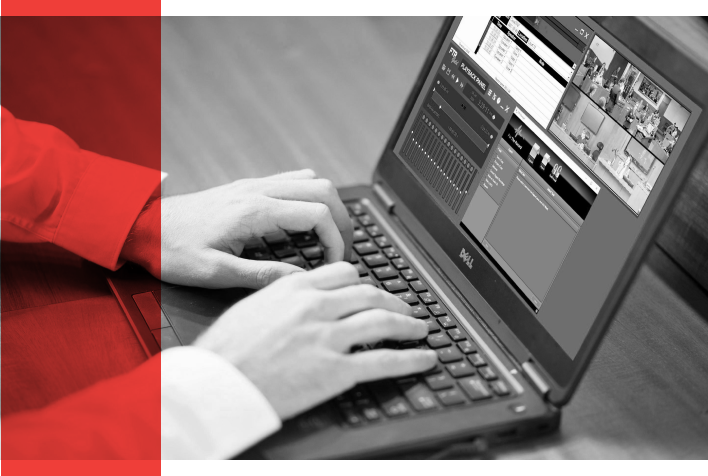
<point x="563" y="374"/>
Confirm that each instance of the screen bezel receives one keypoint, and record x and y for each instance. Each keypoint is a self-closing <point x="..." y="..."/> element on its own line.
<point x="564" y="373"/>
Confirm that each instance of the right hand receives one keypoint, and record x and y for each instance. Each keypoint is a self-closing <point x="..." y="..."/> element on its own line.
<point x="292" y="338"/>
<point x="200" y="236"/>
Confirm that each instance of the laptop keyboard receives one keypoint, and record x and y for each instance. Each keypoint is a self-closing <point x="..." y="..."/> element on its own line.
<point x="463" y="375"/>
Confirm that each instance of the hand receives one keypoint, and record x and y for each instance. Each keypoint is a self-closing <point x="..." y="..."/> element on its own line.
<point x="202" y="234"/>
<point x="291" y="339"/>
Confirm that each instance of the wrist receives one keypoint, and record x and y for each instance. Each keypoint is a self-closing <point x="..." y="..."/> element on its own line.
<point x="142" y="245"/>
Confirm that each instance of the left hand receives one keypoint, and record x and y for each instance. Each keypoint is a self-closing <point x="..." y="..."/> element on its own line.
<point x="201" y="235"/>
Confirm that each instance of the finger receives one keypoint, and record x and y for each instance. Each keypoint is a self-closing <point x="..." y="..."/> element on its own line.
<point x="375" y="325"/>
<point x="293" y="175"/>
<point x="350" y="300"/>
<point x="229" y="271"/>
<point x="385" y="363"/>
<point x="332" y="276"/>
<point x="315" y="191"/>
<point x="302" y="216"/>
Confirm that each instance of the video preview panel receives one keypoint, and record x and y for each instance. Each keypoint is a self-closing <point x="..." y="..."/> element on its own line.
<point x="619" y="123"/>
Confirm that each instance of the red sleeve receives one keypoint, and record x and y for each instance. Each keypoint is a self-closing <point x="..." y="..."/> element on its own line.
<point x="54" y="191"/>
<point x="115" y="419"/>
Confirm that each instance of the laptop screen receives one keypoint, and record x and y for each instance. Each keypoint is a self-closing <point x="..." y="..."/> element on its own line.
<point x="545" y="141"/>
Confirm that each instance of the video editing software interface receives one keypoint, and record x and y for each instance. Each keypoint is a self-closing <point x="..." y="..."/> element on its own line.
<point x="543" y="143"/>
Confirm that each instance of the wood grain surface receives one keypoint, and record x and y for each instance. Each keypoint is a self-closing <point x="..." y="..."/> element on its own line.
<point x="51" y="351"/>
<point x="246" y="97"/>
<point x="251" y="97"/>
<point x="685" y="234"/>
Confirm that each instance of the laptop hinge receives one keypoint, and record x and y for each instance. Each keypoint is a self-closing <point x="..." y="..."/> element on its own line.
<point x="384" y="197"/>
<point x="531" y="372"/>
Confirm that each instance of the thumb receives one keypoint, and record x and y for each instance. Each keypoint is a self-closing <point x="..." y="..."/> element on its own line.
<point x="235" y="272"/>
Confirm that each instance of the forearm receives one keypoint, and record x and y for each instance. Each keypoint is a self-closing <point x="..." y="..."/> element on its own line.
<point x="185" y="403"/>
<point x="54" y="191"/>
<point x="142" y="246"/>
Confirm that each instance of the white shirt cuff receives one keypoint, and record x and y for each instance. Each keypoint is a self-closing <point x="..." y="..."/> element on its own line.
<point x="210" y="410"/>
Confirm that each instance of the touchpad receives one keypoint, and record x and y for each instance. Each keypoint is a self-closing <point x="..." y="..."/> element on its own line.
<point x="191" y="310"/>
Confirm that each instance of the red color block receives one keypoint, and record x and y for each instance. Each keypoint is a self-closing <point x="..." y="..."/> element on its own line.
<point x="80" y="8"/>
<point x="96" y="82"/>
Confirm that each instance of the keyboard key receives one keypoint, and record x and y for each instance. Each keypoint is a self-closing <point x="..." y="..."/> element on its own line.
<point x="305" y="240"/>
<point x="421" y="398"/>
<point x="475" y="388"/>
<point x="316" y="263"/>
<point x="477" y="360"/>
<point x="383" y="390"/>
<point x="360" y="235"/>
<point x="451" y="397"/>
<point x="399" y="263"/>
<point x="351" y="416"/>
<point x="434" y="370"/>
<point x="371" y="413"/>
<point x="391" y="253"/>
<point x="374" y="261"/>
<point x="276" y="238"/>
<point x="437" y="310"/>
<point x="456" y="335"/>
<point x="487" y="373"/>
<point x="359" y="395"/>
<point x="386" y="272"/>
<point x="447" y="322"/>
<point x="433" y="326"/>
<point x="396" y="408"/>
<point x="356" y="209"/>
<point x="428" y="298"/>
<point x="258" y="254"/>
<point x="353" y="259"/>
<point x="500" y="388"/>
<point x="439" y="382"/>
<point x="343" y="401"/>
<point x="365" y="248"/>
<point x="373" y="231"/>
<point x="284" y="250"/>
<point x="382" y="242"/>
<point x="449" y="354"/>
<point x="419" y="286"/>
<point x="313" y="252"/>
<point x="254" y="243"/>
<point x="295" y="260"/>
<point x="438" y="341"/>
<point x="368" y="280"/>
<point x="467" y="347"/>
<point x="461" y="369"/>
<point x="361" y="269"/>
<point x="386" y="393"/>
<point x="365" y="220"/>
<point x="396" y="286"/>
<point x="408" y="297"/>
<point x="409" y="344"/>
<point x="409" y="275"/>
<point x="406" y="382"/>
<point x="419" y="312"/>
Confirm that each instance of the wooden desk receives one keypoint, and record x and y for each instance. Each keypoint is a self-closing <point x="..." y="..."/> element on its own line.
<point x="645" y="393"/>
<point x="249" y="97"/>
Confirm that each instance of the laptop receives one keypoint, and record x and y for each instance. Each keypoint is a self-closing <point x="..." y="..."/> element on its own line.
<point x="519" y="191"/>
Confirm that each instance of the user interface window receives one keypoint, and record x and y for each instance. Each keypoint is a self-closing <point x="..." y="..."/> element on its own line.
<point x="530" y="205"/>
<point x="543" y="144"/>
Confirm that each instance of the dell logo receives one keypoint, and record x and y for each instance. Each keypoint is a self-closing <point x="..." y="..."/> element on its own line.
<point x="466" y="258"/>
